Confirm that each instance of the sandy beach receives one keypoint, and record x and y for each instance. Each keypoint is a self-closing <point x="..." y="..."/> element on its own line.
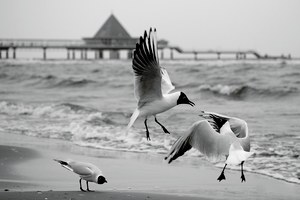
<point x="27" y="171"/>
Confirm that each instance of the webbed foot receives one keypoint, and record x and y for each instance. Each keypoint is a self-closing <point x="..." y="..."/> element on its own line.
<point x="221" y="177"/>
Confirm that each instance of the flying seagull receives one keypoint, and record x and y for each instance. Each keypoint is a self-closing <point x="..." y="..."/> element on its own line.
<point x="216" y="136"/>
<point x="86" y="171"/>
<point x="152" y="84"/>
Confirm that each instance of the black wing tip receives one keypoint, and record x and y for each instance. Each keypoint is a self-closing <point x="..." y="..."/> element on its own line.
<point x="61" y="162"/>
<point x="141" y="39"/>
<point x="152" y="29"/>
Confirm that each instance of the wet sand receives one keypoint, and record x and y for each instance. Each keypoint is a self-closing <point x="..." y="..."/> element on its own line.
<point x="27" y="171"/>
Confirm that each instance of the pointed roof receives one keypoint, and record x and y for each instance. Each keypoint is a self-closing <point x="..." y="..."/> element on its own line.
<point x="112" y="28"/>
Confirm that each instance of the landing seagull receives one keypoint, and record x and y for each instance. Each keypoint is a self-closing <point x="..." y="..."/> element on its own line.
<point x="215" y="136"/>
<point x="86" y="171"/>
<point x="152" y="84"/>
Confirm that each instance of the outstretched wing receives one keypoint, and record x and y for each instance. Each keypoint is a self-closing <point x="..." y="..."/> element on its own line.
<point x="202" y="137"/>
<point x="166" y="84"/>
<point x="214" y="119"/>
<point x="146" y="68"/>
<point x="240" y="129"/>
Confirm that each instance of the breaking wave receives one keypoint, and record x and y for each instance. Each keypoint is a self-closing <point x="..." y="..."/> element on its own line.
<point x="245" y="91"/>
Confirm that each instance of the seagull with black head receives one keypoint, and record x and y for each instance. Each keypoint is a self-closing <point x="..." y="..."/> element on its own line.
<point x="86" y="171"/>
<point x="152" y="84"/>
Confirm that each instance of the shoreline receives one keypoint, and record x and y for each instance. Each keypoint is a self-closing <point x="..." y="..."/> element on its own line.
<point x="133" y="174"/>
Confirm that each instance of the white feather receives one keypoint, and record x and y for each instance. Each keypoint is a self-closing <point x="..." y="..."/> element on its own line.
<point x="166" y="84"/>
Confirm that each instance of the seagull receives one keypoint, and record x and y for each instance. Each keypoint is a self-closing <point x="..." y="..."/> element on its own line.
<point x="152" y="84"/>
<point x="217" y="135"/>
<point x="86" y="171"/>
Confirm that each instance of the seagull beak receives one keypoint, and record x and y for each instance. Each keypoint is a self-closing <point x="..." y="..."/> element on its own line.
<point x="191" y="103"/>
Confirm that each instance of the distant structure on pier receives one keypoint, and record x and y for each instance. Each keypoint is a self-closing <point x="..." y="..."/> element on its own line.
<point x="113" y="38"/>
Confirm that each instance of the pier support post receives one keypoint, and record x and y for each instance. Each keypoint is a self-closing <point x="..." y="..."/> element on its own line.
<point x="96" y="55"/>
<point x="85" y="54"/>
<point x="129" y="54"/>
<point x="171" y="54"/>
<point x="14" y="53"/>
<point x="44" y="53"/>
<point x="162" y="54"/>
<point x="68" y="54"/>
<point x="100" y="54"/>
<point x="81" y="54"/>
<point x="0" y="54"/>
<point x="219" y="55"/>
<point x="73" y="55"/>
<point x="7" y="54"/>
<point x="195" y="55"/>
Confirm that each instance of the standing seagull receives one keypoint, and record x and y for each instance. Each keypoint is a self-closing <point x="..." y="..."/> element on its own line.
<point x="152" y="84"/>
<point x="215" y="136"/>
<point x="86" y="171"/>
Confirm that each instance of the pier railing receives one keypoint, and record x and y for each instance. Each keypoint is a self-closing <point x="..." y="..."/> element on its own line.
<point x="115" y="45"/>
<point x="39" y="43"/>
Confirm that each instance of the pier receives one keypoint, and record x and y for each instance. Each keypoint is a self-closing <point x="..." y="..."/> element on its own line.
<point x="112" y="37"/>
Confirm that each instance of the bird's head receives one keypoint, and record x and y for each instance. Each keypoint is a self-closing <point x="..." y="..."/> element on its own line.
<point x="101" y="180"/>
<point x="182" y="99"/>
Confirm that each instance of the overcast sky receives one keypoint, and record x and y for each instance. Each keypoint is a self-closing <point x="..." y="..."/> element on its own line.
<point x="268" y="26"/>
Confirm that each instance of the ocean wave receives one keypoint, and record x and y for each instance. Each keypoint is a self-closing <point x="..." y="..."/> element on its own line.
<point x="41" y="77"/>
<point x="23" y="77"/>
<point x="107" y="130"/>
<point x="70" y="82"/>
<point x="3" y="76"/>
<point x="66" y="110"/>
<point x="47" y="80"/>
<point x="244" y="91"/>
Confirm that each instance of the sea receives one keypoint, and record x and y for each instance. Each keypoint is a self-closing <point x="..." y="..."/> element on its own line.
<point x="90" y="103"/>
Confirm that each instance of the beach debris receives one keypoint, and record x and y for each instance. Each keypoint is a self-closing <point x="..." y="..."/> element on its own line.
<point x="6" y="190"/>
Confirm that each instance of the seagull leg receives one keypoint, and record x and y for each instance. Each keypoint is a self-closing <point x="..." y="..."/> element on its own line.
<point x="242" y="177"/>
<point x="81" y="185"/>
<point x="147" y="131"/>
<point x="222" y="176"/>
<point x="87" y="187"/>
<point x="164" y="128"/>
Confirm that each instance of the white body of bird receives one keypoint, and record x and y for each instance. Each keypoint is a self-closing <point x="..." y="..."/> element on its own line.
<point x="237" y="155"/>
<point x="86" y="171"/>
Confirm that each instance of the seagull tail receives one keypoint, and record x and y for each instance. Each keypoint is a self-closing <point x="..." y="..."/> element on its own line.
<point x="61" y="162"/>
<point x="133" y="117"/>
<point x="64" y="164"/>
<point x="181" y="146"/>
<point x="237" y="154"/>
